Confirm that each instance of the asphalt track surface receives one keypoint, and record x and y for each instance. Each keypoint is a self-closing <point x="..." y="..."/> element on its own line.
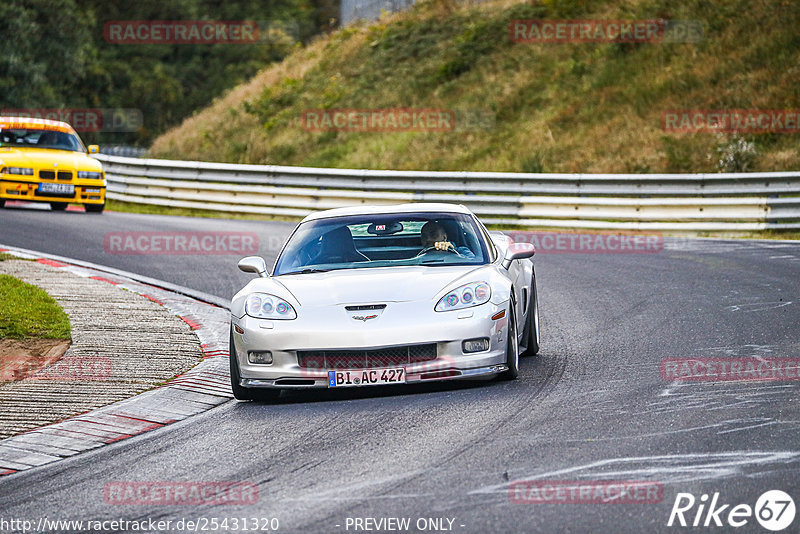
<point x="591" y="406"/>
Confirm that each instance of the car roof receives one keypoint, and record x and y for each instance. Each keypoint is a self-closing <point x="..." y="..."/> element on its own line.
<point x="10" y="123"/>
<point x="420" y="207"/>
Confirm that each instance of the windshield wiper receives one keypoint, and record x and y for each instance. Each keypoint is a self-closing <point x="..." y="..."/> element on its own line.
<point x="309" y="271"/>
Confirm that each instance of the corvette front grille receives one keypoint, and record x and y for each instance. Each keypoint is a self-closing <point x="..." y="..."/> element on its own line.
<point x="366" y="359"/>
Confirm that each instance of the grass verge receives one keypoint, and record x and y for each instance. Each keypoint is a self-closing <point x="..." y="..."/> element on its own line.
<point x="6" y="256"/>
<point x="29" y="312"/>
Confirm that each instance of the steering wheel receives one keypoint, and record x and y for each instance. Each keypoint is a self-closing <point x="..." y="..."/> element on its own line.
<point x="432" y="249"/>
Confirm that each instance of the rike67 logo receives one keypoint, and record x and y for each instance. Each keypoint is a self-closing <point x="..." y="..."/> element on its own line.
<point x="774" y="510"/>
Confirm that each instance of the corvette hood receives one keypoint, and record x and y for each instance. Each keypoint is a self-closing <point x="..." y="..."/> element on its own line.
<point x="64" y="159"/>
<point x="373" y="286"/>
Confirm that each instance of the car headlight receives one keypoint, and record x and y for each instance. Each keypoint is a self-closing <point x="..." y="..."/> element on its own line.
<point x="90" y="175"/>
<point x="263" y="306"/>
<point x="466" y="296"/>
<point x="24" y="171"/>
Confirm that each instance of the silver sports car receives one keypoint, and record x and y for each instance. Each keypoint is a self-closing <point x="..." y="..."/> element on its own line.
<point x="378" y="295"/>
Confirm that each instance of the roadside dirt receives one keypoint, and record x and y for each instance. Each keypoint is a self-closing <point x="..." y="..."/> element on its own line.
<point x="22" y="358"/>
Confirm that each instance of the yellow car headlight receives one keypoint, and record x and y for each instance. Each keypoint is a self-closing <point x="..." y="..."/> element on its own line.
<point x="91" y="175"/>
<point x="24" y="171"/>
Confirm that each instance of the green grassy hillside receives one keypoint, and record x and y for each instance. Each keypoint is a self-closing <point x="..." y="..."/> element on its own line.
<point x="579" y="107"/>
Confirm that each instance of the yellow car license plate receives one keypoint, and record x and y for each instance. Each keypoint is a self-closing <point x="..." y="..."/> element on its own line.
<point x="57" y="189"/>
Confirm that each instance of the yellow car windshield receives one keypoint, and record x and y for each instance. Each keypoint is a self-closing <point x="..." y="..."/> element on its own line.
<point x="33" y="138"/>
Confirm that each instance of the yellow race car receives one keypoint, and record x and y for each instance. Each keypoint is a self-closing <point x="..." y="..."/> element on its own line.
<point x="45" y="161"/>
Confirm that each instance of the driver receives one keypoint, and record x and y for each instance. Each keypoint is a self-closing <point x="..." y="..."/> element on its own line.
<point x="434" y="235"/>
<point x="48" y="139"/>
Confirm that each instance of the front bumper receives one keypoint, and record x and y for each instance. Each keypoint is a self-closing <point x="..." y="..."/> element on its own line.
<point x="401" y="324"/>
<point x="85" y="191"/>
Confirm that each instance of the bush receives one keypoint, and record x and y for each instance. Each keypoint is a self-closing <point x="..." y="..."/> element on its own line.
<point x="533" y="163"/>
<point x="736" y="155"/>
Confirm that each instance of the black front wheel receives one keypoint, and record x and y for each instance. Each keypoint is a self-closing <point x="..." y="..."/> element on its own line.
<point x="512" y="347"/>
<point x="242" y="393"/>
<point x="94" y="208"/>
<point x="58" y="206"/>
<point x="532" y="323"/>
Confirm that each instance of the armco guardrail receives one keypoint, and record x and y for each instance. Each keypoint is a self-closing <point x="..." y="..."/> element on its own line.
<point x="122" y="150"/>
<point x="671" y="202"/>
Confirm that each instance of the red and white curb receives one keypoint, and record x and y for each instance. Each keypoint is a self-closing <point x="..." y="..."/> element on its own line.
<point x="201" y="388"/>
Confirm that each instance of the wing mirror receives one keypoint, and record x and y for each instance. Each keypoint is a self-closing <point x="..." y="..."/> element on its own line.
<point x="93" y="149"/>
<point x="254" y="264"/>
<point x="518" y="251"/>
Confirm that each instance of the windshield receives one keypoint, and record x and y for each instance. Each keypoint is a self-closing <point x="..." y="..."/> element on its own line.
<point x="33" y="138"/>
<point x="384" y="240"/>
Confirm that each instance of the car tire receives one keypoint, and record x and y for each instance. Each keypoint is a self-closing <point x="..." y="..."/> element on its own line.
<point x="242" y="393"/>
<point x="2" y="202"/>
<point x="94" y="208"/>
<point x="58" y="206"/>
<point x="512" y="347"/>
<point x="532" y="335"/>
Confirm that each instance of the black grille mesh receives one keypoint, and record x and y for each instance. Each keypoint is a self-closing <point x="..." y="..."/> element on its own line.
<point x="366" y="359"/>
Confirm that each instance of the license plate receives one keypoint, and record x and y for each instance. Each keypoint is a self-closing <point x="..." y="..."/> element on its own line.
<point x="57" y="189"/>
<point x="366" y="377"/>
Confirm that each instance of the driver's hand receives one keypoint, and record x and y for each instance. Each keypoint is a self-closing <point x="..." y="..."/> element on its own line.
<point x="443" y="245"/>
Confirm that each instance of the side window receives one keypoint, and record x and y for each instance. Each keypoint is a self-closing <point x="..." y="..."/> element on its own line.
<point x="488" y="239"/>
<point x="471" y="240"/>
